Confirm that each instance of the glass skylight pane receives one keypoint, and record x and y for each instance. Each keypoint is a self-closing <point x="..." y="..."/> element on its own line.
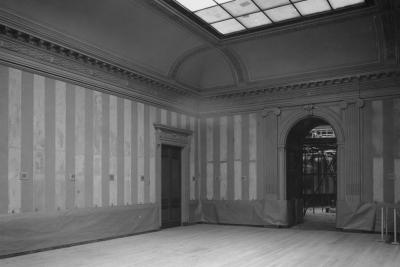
<point x="240" y="7"/>
<point x="312" y="6"/>
<point x="194" y="5"/>
<point x="282" y="13"/>
<point x="213" y="14"/>
<point x="254" y="20"/>
<point x="223" y="1"/>
<point x="228" y="26"/>
<point x="342" y="3"/>
<point x="266" y="4"/>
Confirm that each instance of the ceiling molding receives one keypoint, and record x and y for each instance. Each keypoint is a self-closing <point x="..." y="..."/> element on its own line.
<point x="236" y="62"/>
<point x="238" y="68"/>
<point x="33" y="48"/>
<point x="47" y="32"/>
<point x="173" y="72"/>
<point x="310" y="84"/>
<point x="367" y="85"/>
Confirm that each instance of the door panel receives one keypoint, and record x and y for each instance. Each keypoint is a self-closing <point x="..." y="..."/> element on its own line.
<point x="171" y="186"/>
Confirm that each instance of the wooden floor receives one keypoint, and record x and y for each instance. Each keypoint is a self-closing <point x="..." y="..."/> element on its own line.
<point x="217" y="245"/>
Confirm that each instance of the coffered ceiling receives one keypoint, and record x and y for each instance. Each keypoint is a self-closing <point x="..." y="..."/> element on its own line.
<point x="154" y="39"/>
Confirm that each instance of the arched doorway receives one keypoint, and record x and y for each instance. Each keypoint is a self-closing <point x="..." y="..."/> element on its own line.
<point x="311" y="173"/>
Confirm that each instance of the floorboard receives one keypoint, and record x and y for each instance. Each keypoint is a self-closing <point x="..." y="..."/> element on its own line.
<point x="218" y="245"/>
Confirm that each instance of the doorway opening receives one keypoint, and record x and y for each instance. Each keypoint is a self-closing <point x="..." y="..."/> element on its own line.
<point x="171" y="187"/>
<point x="311" y="160"/>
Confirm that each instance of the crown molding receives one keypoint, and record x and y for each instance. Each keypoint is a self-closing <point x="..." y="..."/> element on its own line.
<point x="38" y="55"/>
<point x="52" y="58"/>
<point x="47" y="32"/>
<point x="368" y="85"/>
<point x="132" y="84"/>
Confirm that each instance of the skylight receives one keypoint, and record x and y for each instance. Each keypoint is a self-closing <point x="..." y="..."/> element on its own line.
<point x="232" y="16"/>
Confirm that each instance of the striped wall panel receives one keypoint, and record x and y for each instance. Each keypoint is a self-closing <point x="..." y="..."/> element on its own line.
<point x="377" y="144"/>
<point x="232" y="164"/>
<point x="64" y="146"/>
<point x="14" y="140"/>
<point x="80" y="147"/>
<point x="231" y="149"/>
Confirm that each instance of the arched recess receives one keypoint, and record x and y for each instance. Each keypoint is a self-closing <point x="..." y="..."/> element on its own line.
<point x="285" y="127"/>
<point x="321" y="112"/>
<point x="204" y="61"/>
<point x="182" y="58"/>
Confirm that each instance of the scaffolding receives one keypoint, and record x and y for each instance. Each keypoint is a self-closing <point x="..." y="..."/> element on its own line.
<point x="319" y="176"/>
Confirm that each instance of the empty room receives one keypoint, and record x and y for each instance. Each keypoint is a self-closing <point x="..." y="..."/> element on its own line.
<point x="199" y="133"/>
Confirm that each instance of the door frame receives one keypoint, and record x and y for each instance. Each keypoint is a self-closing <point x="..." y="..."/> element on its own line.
<point x="166" y="135"/>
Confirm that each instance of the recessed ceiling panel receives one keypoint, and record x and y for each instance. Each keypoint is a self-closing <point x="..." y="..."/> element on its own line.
<point x="282" y="13"/>
<point x="213" y="14"/>
<point x="240" y="7"/>
<point x="309" y="7"/>
<point x="254" y="20"/>
<point x="228" y="26"/>
<point x="224" y="17"/>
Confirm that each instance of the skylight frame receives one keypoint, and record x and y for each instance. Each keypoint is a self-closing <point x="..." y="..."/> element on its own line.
<point x="208" y="26"/>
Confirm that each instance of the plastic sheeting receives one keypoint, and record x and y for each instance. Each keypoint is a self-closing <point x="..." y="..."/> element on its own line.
<point x="255" y="212"/>
<point x="37" y="231"/>
<point x="194" y="211"/>
<point x="356" y="216"/>
<point x="361" y="216"/>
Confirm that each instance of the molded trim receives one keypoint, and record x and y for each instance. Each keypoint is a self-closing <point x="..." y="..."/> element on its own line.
<point x="238" y="69"/>
<point x="180" y="138"/>
<point x="315" y="112"/>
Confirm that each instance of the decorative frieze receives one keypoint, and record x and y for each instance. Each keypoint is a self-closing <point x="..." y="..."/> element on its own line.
<point x="168" y="134"/>
<point x="127" y="82"/>
<point x="53" y="54"/>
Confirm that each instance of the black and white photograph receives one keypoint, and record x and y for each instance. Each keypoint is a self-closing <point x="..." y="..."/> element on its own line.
<point x="199" y="133"/>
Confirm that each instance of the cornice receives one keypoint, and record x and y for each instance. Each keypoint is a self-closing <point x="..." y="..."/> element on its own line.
<point x="174" y="130"/>
<point x="46" y="52"/>
<point x="19" y="47"/>
<point x="367" y="85"/>
<point x="47" y="32"/>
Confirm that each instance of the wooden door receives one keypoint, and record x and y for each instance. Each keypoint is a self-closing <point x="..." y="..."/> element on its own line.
<point x="294" y="184"/>
<point x="171" y="186"/>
